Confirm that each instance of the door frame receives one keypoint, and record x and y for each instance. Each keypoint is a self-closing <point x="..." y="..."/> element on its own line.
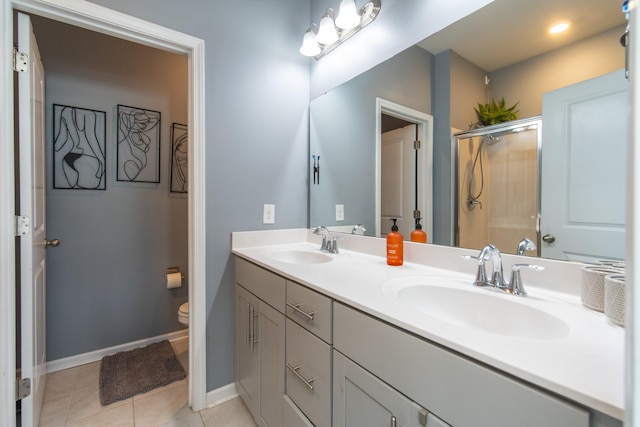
<point x="424" y="122"/>
<point x="103" y="20"/>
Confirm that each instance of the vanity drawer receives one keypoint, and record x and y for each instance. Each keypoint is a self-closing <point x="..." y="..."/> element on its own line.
<point x="267" y="286"/>
<point x="308" y="374"/>
<point x="309" y="309"/>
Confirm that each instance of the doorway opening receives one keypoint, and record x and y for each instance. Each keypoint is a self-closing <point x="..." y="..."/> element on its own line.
<point x="109" y="22"/>
<point x="405" y="178"/>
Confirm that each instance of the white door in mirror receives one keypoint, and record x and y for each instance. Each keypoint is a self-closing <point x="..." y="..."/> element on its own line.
<point x="583" y="170"/>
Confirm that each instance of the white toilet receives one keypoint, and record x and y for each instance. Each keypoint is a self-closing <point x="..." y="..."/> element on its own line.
<point x="183" y="314"/>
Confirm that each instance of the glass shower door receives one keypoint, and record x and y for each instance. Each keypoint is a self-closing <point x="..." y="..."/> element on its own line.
<point x="497" y="182"/>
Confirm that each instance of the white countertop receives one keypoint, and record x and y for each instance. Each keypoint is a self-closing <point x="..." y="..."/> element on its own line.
<point x="586" y="364"/>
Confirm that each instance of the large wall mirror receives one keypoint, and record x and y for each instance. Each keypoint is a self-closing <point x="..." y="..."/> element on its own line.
<point x="502" y="50"/>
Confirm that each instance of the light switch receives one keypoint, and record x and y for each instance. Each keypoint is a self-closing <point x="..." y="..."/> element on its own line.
<point x="339" y="212"/>
<point x="269" y="214"/>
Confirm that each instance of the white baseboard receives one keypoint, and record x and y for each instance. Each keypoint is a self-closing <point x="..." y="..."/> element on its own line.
<point x="94" y="356"/>
<point x="220" y="395"/>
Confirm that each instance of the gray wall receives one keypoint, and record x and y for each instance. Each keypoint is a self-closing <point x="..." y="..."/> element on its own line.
<point x="345" y="117"/>
<point x="459" y="86"/>
<point x="257" y="96"/>
<point x="106" y="283"/>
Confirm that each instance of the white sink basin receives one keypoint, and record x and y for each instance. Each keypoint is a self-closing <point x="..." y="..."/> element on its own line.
<point x="458" y="302"/>
<point x="301" y="257"/>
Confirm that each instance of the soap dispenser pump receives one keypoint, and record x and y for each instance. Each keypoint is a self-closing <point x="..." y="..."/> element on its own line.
<point x="418" y="235"/>
<point x="395" y="245"/>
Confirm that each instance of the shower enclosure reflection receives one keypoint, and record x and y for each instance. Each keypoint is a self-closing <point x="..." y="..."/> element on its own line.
<point x="497" y="185"/>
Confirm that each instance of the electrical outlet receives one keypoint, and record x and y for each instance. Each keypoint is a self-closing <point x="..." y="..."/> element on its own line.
<point x="339" y="212"/>
<point x="269" y="214"/>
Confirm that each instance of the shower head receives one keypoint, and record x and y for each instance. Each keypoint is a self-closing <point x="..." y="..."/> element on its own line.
<point x="490" y="139"/>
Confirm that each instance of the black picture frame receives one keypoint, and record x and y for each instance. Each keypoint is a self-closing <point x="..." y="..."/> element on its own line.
<point x="79" y="148"/>
<point x="138" y="144"/>
<point x="179" y="158"/>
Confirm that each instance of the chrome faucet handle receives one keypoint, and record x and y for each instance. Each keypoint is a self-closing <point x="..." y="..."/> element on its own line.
<point x="332" y="246"/>
<point x="481" y="274"/>
<point x="516" y="286"/>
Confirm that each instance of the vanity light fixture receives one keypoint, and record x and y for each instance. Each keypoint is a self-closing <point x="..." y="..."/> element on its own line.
<point x="332" y="32"/>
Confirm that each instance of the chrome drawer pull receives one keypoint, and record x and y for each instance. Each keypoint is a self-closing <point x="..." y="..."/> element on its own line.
<point x="296" y="308"/>
<point x="300" y="377"/>
<point x="393" y="421"/>
<point x="249" y="324"/>
<point x="254" y="340"/>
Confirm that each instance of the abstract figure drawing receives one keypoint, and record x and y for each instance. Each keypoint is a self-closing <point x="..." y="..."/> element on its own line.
<point x="78" y="148"/>
<point x="138" y="144"/>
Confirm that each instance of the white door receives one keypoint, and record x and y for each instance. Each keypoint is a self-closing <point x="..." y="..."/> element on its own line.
<point x="32" y="205"/>
<point x="584" y="136"/>
<point x="398" y="180"/>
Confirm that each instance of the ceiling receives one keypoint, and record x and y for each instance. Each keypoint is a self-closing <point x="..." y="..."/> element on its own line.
<point x="506" y="32"/>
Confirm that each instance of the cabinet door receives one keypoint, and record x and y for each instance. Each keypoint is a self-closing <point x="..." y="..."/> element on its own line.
<point x="246" y="350"/>
<point x="270" y="342"/>
<point x="362" y="400"/>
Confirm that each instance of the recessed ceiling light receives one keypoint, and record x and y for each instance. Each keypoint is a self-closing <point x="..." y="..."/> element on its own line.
<point x="559" y="27"/>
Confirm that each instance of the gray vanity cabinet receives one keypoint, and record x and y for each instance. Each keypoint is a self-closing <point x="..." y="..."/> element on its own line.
<point x="259" y="341"/>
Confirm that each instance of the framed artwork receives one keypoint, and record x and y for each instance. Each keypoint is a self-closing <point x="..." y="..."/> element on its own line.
<point x="79" y="148"/>
<point x="179" y="158"/>
<point x="138" y="145"/>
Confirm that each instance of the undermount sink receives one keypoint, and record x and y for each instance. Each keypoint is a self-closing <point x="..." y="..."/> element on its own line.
<point x="444" y="298"/>
<point x="301" y="257"/>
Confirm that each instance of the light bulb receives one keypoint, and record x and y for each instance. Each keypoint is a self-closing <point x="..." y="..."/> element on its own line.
<point x="327" y="33"/>
<point x="348" y="15"/>
<point x="310" y="45"/>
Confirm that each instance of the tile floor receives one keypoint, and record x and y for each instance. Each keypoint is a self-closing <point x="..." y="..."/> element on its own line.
<point x="71" y="399"/>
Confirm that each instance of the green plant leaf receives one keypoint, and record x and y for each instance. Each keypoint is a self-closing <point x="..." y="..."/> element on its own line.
<point x="496" y="112"/>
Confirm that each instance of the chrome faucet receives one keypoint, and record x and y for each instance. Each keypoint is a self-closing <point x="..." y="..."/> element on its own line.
<point x="525" y="245"/>
<point x="329" y="244"/>
<point x="358" y="229"/>
<point x="515" y="286"/>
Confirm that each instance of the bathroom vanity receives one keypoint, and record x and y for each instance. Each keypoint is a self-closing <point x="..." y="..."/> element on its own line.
<point x="346" y="340"/>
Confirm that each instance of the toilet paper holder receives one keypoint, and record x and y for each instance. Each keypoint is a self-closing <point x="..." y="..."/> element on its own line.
<point x="172" y="270"/>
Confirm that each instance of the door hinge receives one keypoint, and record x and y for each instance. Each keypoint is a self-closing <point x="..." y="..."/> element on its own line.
<point x="23" y="225"/>
<point x="23" y="388"/>
<point x="417" y="145"/>
<point x="20" y="61"/>
<point x="416" y="214"/>
<point x="422" y="416"/>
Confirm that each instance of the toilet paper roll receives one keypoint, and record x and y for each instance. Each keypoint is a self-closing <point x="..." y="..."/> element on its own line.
<point x="174" y="280"/>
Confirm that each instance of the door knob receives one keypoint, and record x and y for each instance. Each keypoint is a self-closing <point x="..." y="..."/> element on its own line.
<point x="53" y="243"/>
<point x="549" y="238"/>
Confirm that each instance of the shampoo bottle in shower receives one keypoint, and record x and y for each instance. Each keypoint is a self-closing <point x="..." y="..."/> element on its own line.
<point x="418" y="235"/>
<point x="395" y="245"/>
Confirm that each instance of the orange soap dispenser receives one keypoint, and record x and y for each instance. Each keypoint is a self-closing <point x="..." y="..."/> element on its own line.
<point x="418" y="235"/>
<point x="395" y="246"/>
